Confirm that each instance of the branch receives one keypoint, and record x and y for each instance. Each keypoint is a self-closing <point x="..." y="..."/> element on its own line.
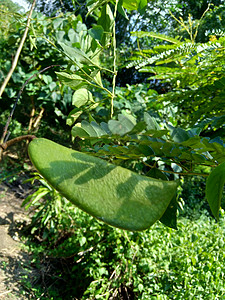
<point x="4" y="146"/>
<point x="16" y="58"/>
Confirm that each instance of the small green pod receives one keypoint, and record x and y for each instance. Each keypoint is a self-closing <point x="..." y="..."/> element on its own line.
<point x="112" y="194"/>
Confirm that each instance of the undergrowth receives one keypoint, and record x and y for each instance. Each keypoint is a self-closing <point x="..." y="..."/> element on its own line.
<point x="77" y="257"/>
<point x="86" y="259"/>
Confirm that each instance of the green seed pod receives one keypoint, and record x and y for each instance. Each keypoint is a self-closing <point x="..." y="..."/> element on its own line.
<point x="112" y="194"/>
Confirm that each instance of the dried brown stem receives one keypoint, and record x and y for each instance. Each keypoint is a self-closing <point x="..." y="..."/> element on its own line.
<point x="39" y="117"/>
<point x="31" y="114"/>
<point x="9" y="143"/>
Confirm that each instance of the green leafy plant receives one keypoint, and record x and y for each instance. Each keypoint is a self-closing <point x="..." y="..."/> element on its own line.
<point x="98" y="261"/>
<point x="172" y="64"/>
<point x="125" y="140"/>
<point x="88" y="258"/>
<point x="48" y="206"/>
<point x="181" y="150"/>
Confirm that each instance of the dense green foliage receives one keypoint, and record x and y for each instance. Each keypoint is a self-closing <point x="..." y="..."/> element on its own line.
<point x="8" y="17"/>
<point x="198" y="97"/>
<point x="171" y="127"/>
<point x="43" y="96"/>
<point x="98" y="261"/>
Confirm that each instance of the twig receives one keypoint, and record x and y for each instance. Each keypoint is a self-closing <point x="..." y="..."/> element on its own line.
<point x="140" y="50"/>
<point x="6" y="292"/>
<point x="31" y="114"/>
<point x="39" y="117"/>
<point x="203" y="15"/>
<point x="16" y="58"/>
<point x="4" y="146"/>
<point x="127" y="293"/>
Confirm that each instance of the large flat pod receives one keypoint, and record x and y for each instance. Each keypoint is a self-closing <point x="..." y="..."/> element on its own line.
<point x="112" y="194"/>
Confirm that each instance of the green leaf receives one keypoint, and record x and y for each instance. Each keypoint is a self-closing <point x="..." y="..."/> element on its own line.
<point x="142" y="6"/>
<point x="178" y="135"/>
<point x="78" y="56"/>
<point x="40" y="193"/>
<point x="151" y="122"/>
<point x="98" y="129"/>
<point x="169" y="217"/>
<point x="138" y="128"/>
<point x="124" y="125"/>
<point x="78" y="131"/>
<point x="98" y="79"/>
<point x="156" y="173"/>
<point x="130" y="4"/>
<point x="57" y="23"/>
<point x="72" y="80"/>
<point x="86" y="129"/>
<point x="32" y="42"/>
<point x="73" y="116"/>
<point x="214" y="188"/>
<point x="96" y="32"/>
<point x="112" y="194"/>
<point x="106" y="21"/>
<point x="91" y="118"/>
<point x="146" y="150"/>
<point x="82" y="97"/>
<point x="105" y="127"/>
<point x="93" y="5"/>
<point x="121" y="9"/>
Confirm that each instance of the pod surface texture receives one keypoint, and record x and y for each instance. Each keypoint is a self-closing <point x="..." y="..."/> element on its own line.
<point x="112" y="194"/>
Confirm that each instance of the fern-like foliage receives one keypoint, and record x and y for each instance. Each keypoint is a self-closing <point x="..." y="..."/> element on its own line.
<point x="127" y="139"/>
<point x="195" y="73"/>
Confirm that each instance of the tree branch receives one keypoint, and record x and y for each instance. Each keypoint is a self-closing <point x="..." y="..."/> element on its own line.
<point x="9" y="143"/>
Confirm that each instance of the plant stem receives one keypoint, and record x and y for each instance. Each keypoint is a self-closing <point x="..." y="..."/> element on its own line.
<point x="199" y="22"/>
<point x="31" y="114"/>
<point x="16" y="58"/>
<point x="114" y="59"/>
<point x="4" y="146"/>
<point x="180" y="173"/>
<point x="39" y="117"/>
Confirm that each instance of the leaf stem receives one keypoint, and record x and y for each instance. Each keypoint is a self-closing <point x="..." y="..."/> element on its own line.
<point x="179" y="173"/>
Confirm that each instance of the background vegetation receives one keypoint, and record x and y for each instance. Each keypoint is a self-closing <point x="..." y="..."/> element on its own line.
<point x="168" y="107"/>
